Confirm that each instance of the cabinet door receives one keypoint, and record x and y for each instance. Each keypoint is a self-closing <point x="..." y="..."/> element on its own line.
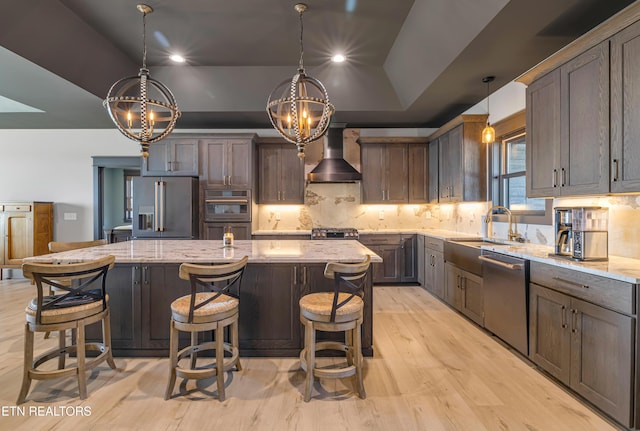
<point x="239" y="163"/>
<point x="453" y="286"/>
<point x="214" y="163"/>
<point x="18" y="242"/>
<point x="584" y="132"/>
<point x="389" y="270"/>
<point x="550" y="337"/>
<point x="602" y="358"/>
<point x="278" y="317"/>
<point x="456" y="173"/>
<point x="183" y="157"/>
<point x="543" y="136"/>
<point x="433" y="171"/>
<point x="373" y="173"/>
<point x="396" y="167"/>
<point x="418" y="160"/>
<point x="444" y="169"/>
<point x="157" y="162"/>
<point x="291" y="175"/>
<point x="215" y="231"/>
<point x="625" y="110"/>
<point x="421" y="259"/>
<point x="408" y="268"/>
<point x="269" y="174"/>
<point x="438" y="274"/>
<point x="472" y="304"/>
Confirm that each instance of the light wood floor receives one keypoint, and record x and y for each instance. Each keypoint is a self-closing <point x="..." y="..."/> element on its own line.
<point x="432" y="370"/>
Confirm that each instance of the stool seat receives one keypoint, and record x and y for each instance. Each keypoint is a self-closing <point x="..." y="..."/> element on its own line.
<point x="317" y="307"/>
<point x="208" y="312"/>
<point x="62" y="314"/>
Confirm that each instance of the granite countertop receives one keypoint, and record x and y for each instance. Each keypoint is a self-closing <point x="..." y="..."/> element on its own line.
<point x="282" y="232"/>
<point x="201" y="251"/>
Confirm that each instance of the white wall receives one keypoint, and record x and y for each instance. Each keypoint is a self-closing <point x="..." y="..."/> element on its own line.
<point x="56" y="165"/>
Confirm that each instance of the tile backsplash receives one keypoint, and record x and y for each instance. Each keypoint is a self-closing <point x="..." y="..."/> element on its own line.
<point x="338" y="205"/>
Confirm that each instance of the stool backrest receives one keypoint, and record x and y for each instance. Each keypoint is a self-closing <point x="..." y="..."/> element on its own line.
<point x="83" y="283"/>
<point x="213" y="278"/>
<point x="58" y="246"/>
<point x="349" y="278"/>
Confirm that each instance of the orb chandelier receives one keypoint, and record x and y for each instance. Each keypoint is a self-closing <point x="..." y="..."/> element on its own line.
<point x="299" y="108"/>
<point x="142" y="108"/>
<point x="488" y="133"/>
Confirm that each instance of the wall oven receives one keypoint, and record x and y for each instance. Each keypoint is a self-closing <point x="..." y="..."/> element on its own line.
<point x="227" y="205"/>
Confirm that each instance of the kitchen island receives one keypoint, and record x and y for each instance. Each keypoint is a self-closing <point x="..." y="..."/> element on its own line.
<point x="145" y="281"/>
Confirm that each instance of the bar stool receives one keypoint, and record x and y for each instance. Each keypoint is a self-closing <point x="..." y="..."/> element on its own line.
<point x="85" y="302"/>
<point x="337" y="311"/>
<point x="213" y="309"/>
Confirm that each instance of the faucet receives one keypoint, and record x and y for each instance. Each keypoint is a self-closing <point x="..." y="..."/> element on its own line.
<point x="513" y="236"/>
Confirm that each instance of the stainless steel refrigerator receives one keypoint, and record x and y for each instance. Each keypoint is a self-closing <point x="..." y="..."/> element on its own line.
<point x="165" y="207"/>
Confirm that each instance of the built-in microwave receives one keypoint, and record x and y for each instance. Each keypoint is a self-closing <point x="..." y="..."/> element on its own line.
<point x="227" y="205"/>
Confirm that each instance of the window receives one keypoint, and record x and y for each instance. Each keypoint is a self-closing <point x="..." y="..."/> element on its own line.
<point x="508" y="179"/>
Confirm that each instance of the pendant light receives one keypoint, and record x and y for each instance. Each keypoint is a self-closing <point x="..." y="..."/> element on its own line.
<point x="488" y="133"/>
<point x="299" y="108"/>
<point x="142" y="108"/>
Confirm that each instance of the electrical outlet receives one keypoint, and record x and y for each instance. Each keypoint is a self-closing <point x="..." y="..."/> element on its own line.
<point x="381" y="215"/>
<point x="427" y="214"/>
<point x="70" y="216"/>
<point x="278" y="216"/>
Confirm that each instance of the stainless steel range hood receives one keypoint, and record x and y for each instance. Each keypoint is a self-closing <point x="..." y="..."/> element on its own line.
<point x="333" y="168"/>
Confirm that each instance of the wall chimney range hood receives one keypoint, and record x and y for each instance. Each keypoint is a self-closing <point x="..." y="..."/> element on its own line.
<point x="333" y="168"/>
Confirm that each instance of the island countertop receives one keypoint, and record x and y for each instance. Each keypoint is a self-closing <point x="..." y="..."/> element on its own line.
<point x="204" y="251"/>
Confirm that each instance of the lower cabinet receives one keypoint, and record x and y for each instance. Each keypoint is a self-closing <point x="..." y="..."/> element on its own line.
<point x="215" y="231"/>
<point x="463" y="290"/>
<point x="398" y="253"/>
<point x="587" y="347"/>
<point x="140" y="297"/>
<point x="433" y="266"/>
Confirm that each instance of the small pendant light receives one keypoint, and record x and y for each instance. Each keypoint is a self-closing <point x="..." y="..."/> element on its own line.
<point x="488" y="133"/>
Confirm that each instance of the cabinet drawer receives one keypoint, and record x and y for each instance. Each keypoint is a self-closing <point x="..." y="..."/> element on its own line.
<point x="18" y="208"/>
<point x="434" y="243"/>
<point x="609" y="293"/>
<point x="380" y="239"/>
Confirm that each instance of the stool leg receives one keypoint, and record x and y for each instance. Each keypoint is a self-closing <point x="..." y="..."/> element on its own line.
<point x="82" y="375"/>
<point x="62" y="346"/>
<point x="106" y="338"/>
<point x="348" y="341"/>
<point x="235" y="343"/>
<point x="194" y="355"/>
<point x="220" y="361"/>
<point x="173" y="362"/>
<point x="357" y="338"/>
<point x="28" y="363"/>
<point x="310" y="357"/>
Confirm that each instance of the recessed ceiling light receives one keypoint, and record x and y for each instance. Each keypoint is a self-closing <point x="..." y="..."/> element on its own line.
<point x="338" y="58"/>
<point x="177" y="58"/>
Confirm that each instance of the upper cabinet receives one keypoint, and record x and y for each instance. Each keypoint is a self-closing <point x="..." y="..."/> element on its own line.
<point x="568" y="128"/>
<point x="582" y="109"/>
<point x="227" y="162"/>
<point x="394" y="170"/>
<point x="172" y="157"/>
<point x="461" y="169"/>
<point x="625" y="110"/>
<point x="280" y="174"/>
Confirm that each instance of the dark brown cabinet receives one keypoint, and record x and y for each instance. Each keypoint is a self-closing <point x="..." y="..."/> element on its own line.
<point x="434" y="170"/>
<point x="462" y="162"/>
<point x="172" y="157"/>
<point x="625" y="110"/>
<point x="463" y="291"/>
<point x="227" y="162"/>
<point x="384" y="170"/>
<point x="398" y="253"/>
<point x="433" y="265"/>
<point x="568" y="128"/>
<point x="280" y="174"/>
<point x="418" y="175"/>
<point x="586" y="346"/>
<point x="215" y="231"/>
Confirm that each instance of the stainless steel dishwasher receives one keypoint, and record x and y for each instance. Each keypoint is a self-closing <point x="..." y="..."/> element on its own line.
<point x="505" y="281"/>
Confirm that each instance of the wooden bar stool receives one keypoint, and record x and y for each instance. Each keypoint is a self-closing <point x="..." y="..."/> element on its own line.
<point x="213" y="309"/>
<point x="84" y="302"/>
<point x="340" y="310"/>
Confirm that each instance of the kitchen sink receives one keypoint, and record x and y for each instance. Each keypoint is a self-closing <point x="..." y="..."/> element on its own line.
<point x="477" y="243"/>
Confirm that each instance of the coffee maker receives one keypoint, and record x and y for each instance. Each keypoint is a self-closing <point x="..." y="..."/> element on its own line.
<point x="581" y="232"/>
<point x="590" y="233"/>
<point x="564" y="232"/>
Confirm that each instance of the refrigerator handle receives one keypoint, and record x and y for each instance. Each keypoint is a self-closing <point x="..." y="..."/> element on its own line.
<point x="163" y="191"/>
<point x="156" y="226"/>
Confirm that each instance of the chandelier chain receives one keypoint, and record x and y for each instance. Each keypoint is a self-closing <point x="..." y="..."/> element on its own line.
<point x="300" y="64"/>
<point x="144" y="40"/>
